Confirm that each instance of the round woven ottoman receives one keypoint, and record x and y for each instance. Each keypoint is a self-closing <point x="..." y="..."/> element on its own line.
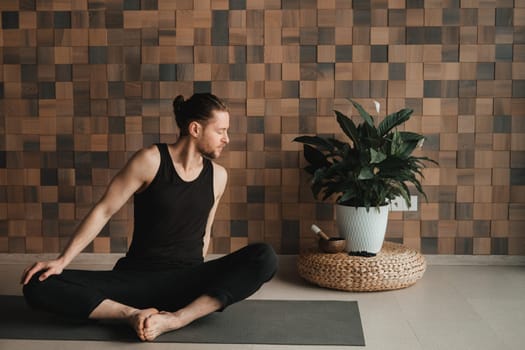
<point x="394" y="267"/>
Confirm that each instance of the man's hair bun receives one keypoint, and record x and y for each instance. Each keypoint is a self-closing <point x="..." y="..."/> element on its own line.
<point x="178" y="103"/>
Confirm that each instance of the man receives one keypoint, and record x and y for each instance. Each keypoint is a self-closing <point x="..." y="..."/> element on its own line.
<point x="162" y="283"/>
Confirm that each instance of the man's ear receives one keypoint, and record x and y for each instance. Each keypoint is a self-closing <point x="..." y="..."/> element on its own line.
<point x="195" y="129"/>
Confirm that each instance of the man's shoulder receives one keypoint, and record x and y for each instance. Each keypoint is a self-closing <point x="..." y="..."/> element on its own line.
<point x="148" y="155"/>
<point x="219" y="171"/>
<point x="220" y="178"/>
<point x="218" y="168"/>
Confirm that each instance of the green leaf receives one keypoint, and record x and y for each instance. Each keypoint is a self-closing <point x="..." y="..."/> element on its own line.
<point x="406" y="149"/>
<point x="376" y="157"/>
<point x="316" y="189"/>
<point x="328" y="192"/>
<point x="364" y="114"/>
<point x="320" y="142"/>
<point x="408" y="136"/>
<point x="393" y="120"/>
<point x="315" y="157"/>
<point x="370" y="137"/>
<point x="319" y="175"/>
<point x="347" y="195"/>
<point x="335" y="143"/>
<point x="365" y="174"/>
<point x="426" y="159"/>
<point x="348" y="127"/>
<point x="396" y="144"/>
<point x="310" y="169"/>
<point x="404" y="192"/>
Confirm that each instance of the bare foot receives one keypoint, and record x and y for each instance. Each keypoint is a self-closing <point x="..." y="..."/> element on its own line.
<point x="138" y="319"/>
<point x="160" y="323"/>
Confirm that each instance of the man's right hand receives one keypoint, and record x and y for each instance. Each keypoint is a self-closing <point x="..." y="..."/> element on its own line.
<point x="52" y="267"/>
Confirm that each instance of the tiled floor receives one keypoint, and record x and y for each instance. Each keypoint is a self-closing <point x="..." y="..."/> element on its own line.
<point x="452" y="307"/>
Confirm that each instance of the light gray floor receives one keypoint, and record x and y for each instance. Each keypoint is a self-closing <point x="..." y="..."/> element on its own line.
<point x="452" y="307"/>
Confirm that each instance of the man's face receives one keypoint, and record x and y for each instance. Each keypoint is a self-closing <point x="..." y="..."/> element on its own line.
<point x="215" y="135"/>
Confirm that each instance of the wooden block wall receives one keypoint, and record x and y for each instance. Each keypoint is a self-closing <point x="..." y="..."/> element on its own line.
<point x="85" y="83"/>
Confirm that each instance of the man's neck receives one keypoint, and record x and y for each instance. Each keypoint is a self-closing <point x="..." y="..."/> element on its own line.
<point x="185" y="154"/>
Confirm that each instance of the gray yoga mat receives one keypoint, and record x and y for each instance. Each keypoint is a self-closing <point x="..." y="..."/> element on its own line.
<point x="247" y="322"/>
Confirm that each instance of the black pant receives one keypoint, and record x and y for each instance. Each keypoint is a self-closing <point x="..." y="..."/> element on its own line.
<point x="229" y="279"/>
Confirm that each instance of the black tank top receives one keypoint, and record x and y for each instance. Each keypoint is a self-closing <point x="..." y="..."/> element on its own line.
<point x="170" y="218"/>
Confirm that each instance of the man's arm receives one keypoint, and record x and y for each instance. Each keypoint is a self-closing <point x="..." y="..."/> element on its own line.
<point x="136" y="175"/>
<point x="220" y="178"/>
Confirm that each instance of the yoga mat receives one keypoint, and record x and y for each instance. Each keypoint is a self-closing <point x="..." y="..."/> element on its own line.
<point x="288" y="322"/>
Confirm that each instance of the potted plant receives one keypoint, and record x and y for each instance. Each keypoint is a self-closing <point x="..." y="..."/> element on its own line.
<point x="365" y="174"/>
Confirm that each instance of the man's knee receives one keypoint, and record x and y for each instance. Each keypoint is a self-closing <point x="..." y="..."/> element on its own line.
<point x="34" y="290"/>
<point x="266" y="260"/>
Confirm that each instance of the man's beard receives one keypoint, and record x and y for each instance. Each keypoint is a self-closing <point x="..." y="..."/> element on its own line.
<point x="207" y="154"/>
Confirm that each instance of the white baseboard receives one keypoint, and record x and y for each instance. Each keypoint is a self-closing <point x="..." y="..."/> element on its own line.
<point x="111" y="258"/>
<point x="495" y="260"/>
<point x="81" y="259"/>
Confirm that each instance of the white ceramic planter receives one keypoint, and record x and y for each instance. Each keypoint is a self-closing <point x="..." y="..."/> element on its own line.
<point x="364" y="230"/>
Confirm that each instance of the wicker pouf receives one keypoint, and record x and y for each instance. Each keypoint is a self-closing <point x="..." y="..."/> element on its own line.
<point x="394" y="267"/>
